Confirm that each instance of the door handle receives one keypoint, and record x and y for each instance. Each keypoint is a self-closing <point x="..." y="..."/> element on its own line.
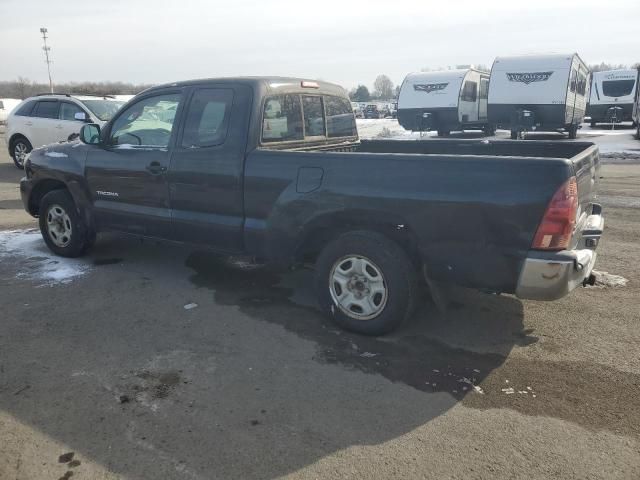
<point x="155" y="168"/>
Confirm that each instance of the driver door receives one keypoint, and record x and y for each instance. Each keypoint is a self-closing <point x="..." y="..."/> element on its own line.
<point x="127" y="172"/>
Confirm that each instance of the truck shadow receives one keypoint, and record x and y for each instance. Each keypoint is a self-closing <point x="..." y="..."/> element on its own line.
<point x="153" y="395"/>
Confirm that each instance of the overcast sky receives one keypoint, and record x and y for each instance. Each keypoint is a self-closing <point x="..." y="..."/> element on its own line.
<point x="347" y="41"/>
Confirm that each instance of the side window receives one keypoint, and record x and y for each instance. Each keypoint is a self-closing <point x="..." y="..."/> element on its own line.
<point x="68" y="111"/>
<point x="484" y="88"/>
<point x="46" y="109"/>
<point x="207" y="118"/>
<point x="573" y="80"/>
<point x="340" y="119"/>
<point x="282" y="119"/>
<point x="469" y="91"/>
<point x="313" y="116"/>
<point x="148" y="122"/>
<point x="582" y="84"/>
<point x="25" y="110"/>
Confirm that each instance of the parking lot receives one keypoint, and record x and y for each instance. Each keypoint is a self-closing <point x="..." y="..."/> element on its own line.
<point x="150" y="360"/>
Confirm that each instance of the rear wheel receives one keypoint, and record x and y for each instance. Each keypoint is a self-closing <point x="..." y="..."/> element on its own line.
<point x="365" y="283"/>
<point x="20" y="147"/>
<point x="62" y="228"/>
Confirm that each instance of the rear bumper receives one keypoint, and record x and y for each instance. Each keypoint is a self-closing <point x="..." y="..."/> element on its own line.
<point x="552" y="275"/>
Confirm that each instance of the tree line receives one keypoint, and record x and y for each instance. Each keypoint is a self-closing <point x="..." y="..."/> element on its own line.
<point x="23" y="88"/>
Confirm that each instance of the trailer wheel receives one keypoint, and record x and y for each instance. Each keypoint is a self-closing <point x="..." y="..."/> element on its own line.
<point x="443" y="133"/>
<point x="573" y="132"/>
<point x="366" y="283"/>
<point x="514" y="134"/>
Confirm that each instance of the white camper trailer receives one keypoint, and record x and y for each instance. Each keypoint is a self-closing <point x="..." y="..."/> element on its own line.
<point x="444" y="101"/>
<point x="538" y="92"/>
<point x="612" y="96"/>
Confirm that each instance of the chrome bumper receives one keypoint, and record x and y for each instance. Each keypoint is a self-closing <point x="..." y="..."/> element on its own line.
<point x="552" y="275"/>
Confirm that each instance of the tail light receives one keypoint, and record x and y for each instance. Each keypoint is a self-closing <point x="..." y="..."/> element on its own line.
<point x="556" y="227"/>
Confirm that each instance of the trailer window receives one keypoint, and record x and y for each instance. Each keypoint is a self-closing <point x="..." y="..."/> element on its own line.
<point x="282" y="119"/>
<point x="572" y="81"/>
<point x="469" y="92"/>
<point x="617" y="88"/>
<point x="313" y="116"/>
<point x="340" y="119"/>
<point x="581" y="86"/>
<point x="484" y="88"/>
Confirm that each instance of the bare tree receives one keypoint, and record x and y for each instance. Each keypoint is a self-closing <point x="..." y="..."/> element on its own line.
<point x="24" y="88"/>
<point x="383" y="87"/>
<point x="607" y="66"/>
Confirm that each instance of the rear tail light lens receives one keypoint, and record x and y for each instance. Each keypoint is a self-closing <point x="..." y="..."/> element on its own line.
<point x="559" y="221"/>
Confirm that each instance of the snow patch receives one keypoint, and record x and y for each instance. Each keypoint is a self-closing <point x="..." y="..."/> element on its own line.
<point x="56" y="154"/>
<point x="37" y="262"/>
<point x="606" y="279"/>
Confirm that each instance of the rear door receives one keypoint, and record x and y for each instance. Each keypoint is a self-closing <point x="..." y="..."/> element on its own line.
<point x="44" y="119"/>
<point x="206" y="171"/>
<point x="67" y="124"/>
<point x="127" y="174"/>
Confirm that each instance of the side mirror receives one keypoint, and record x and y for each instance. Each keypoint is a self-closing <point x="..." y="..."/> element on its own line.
<point x="82" y="116"/>
<point x="90" y="134"/>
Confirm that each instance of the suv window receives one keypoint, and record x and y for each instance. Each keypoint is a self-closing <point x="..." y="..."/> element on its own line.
<point x="46" y="109"/>
<point x="148" y="122"/>
<point x="469" y="91"/>
<point x="617" y="88"/>
<point x="282" y="119"/>
<point x="340" y="119"/>
<point x="207" y="118"/>
<point x="25" y="110"/>
<point x="313" y="116"/>
<point x="68" y="111"/>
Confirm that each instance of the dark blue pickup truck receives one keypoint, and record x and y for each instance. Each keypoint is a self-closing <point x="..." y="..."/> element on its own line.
<point x="273" y="168"/>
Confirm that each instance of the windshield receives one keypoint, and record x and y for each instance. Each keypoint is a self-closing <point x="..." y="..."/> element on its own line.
<point x="103" y="109"/>
<point x="617" y="88"/>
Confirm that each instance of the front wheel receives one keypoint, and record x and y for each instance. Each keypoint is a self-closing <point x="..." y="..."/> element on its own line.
<point x="365" y="283"/>
<point x="19" y="150"/>
<point x="62" y="228"/>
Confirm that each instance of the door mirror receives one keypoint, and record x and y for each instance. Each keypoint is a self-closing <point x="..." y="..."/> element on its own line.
<point x="82" y="116"/>
<point x="90" y="134"/>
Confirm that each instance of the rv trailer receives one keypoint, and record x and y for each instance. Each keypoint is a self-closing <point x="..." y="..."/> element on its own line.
<point x="445" y="101"/>
<point x="613" y="94"/>
<point x="538" y="92"/>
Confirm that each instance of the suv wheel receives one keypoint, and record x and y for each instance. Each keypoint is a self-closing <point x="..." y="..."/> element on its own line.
<point x="20" y="147"/>
<point x="62" y="228"/>
<point x="365" y="283"/>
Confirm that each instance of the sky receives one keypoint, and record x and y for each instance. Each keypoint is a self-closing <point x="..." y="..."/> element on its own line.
<point x="348" y="42"/>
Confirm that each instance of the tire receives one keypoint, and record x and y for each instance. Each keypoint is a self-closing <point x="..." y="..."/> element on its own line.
<point x="443" y="133"/>
<point x="573" y="132"/>
<point x="489" y="131"/>
<point x="384" y="271"/>
<point x="514" y="134"/>
<point x="592" y="125"/>
<point x="62" y="228"/>
<point x="19" y="148"/>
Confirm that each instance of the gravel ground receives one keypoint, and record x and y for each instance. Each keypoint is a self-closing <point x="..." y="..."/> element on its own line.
<point x="148" y="361"/>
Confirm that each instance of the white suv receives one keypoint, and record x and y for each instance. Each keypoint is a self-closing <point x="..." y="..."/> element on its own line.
<point x="52" y="118"/>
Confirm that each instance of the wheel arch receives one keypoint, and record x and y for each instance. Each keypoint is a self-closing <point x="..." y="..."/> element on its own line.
<point x="15" y="137"/>
<point x="40" y="190"/>
<point x="323" y="229"/>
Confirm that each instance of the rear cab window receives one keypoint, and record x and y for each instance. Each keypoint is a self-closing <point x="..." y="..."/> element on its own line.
<point x="306" y="117"/>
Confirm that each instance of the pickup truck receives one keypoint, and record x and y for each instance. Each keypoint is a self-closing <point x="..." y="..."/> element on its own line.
<point x="273" y="168"/>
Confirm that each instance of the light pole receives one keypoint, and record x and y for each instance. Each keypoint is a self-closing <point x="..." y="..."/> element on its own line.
<point x="46" y="49"/>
